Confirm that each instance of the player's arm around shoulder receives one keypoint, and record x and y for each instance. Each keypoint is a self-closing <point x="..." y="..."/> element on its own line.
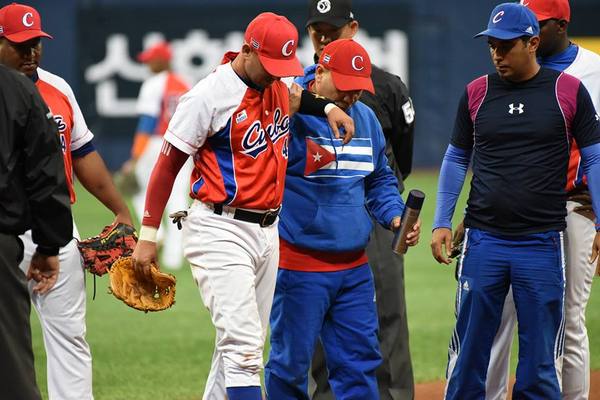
<point x="306" y="102"/>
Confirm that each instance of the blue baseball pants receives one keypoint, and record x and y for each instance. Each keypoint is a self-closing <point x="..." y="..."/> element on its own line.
<point x="339" y="309"/>
<point x="534" y="265"/>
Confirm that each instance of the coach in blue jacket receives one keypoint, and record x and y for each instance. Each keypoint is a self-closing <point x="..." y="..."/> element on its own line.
<point x="324" y="285"/>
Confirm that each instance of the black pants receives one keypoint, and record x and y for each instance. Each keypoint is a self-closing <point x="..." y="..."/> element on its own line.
<point x="395" y="375"/>
<point x="17" y="373"/>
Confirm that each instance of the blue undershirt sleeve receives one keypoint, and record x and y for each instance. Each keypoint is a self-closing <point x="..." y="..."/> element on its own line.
<point x="83" y="150"/>
<point x="147" y="123"/>
<point x="590" y="157"/>
<point x="452" y="177"/>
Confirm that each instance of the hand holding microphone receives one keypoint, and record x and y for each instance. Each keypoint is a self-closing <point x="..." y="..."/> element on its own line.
<point x="409" y="222"/>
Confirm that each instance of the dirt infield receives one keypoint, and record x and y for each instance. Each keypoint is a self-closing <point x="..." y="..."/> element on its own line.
<point x="435" y="390"/>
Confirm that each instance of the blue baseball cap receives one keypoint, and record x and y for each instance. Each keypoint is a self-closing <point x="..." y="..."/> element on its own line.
<point x="510" y="21"/>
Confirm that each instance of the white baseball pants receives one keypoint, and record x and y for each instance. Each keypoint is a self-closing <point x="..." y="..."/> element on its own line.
<point x="62" y="316"/>
<point x="234" y="264"/>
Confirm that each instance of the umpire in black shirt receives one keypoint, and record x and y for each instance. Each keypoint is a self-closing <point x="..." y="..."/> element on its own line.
<point x="331" y="20"/>
<point x="33" y="195"/>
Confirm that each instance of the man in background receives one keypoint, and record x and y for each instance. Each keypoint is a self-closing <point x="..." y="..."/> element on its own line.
<point x="329" y="21"/>
<point x="156" y="104"/>
<point x="33" y="195"/>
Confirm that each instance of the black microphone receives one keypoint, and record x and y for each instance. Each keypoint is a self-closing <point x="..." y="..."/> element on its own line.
<point x="412" y="209"/>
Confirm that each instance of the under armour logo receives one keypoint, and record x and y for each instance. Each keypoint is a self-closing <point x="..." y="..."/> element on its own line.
<point x="512" y="108"/>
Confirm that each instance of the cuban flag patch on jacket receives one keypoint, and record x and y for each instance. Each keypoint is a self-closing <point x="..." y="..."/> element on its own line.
<point x="326" y="157"/>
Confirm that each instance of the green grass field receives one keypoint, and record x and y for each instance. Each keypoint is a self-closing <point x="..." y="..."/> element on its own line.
<point x="167" y="355"/>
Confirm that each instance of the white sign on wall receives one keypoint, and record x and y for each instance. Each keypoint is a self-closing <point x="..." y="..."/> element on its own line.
<point x="197" y="54"/>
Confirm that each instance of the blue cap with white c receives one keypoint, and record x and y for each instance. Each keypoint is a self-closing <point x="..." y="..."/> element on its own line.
<point x="510" y="21"/>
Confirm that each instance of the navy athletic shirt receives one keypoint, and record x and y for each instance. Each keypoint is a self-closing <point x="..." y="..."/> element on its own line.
<point x="519" y="134"/>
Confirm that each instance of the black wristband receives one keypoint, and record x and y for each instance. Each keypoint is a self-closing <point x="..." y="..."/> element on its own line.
<point x="47" y="250"/>
<point x="312" y="104"/>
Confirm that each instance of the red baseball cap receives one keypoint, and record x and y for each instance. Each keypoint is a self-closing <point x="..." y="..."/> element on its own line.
<point x="275" y="39"/>
<point x="349" y="64"/>
<point x="549" y="9"/>
<point x="160" y="51"/>
<point x="20" y="23"/>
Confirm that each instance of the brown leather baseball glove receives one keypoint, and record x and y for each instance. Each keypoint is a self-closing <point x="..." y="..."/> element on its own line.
<point x="144" y="295"/>
<point x="101" y="251"/>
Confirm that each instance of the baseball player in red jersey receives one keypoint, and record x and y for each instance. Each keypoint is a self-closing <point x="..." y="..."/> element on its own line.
<point x="235" y="124"/>
<point x="61" y="310"/>
<point x="156" y="104"/>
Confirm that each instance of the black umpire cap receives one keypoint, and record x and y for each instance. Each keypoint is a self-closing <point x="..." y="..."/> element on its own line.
<point x="334" y="12"/>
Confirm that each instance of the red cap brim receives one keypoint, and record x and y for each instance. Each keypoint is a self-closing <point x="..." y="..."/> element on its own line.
<point x="144" y="57"/>
<point x="282" y="68"/>
<point x="24" y="36"/>
<point x="147" y="56"/>
<point x="352" y="82"/>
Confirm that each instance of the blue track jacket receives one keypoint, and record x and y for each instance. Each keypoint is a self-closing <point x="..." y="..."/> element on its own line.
<point x="331" y="188"/>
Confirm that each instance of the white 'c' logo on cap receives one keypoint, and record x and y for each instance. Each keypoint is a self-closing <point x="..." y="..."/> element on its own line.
<point x="28" y="19"/>
<point x="498" y="17"/>
<point x="285" y="50"/>
<point x="359" y="58"/>
<point x="323" y="6"/>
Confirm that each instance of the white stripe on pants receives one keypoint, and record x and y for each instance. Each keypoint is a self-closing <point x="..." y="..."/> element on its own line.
<point x="454" y="347"/>
<point x="234" y="264"/>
